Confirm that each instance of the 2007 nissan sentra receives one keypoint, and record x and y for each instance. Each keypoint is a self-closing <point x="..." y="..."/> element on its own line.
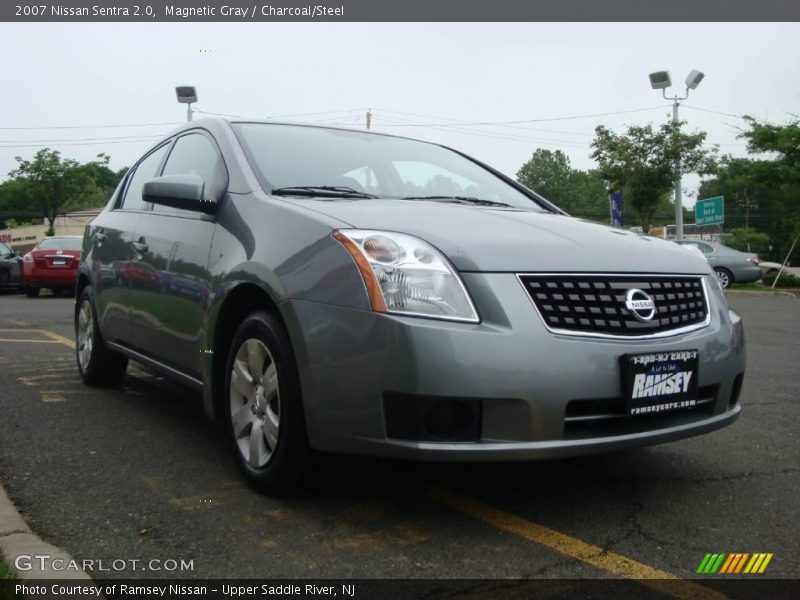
<point x="346" y="291"/>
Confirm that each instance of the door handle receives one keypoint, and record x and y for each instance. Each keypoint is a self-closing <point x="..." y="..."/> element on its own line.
<point x="141" y="245"/>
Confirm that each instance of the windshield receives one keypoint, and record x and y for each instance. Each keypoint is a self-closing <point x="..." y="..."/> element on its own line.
<point x="296" y="156"/>
<point x="4" y="250"/>
<point x="65" y="243"/>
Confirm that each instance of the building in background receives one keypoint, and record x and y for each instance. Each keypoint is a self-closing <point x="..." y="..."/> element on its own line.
<point x="24" y="238"/>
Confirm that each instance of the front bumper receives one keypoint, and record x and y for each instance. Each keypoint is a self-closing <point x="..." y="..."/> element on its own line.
<point x="522" y="375"/>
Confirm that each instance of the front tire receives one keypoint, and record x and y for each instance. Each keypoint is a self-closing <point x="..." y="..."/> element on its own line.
<point x="97" y="363"/>
<point x="724" y="276"/>
<point x="263" y="405"/>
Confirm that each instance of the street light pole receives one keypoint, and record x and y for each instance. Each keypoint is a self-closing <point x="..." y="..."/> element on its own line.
<point x="660" y="80"/>
<point x="678" y="182"/>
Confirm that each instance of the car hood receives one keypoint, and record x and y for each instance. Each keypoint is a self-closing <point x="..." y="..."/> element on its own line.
<point x="487" y="239"/>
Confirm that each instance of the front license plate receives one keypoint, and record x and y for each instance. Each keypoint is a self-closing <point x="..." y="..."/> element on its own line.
<point x="660" y="382"/>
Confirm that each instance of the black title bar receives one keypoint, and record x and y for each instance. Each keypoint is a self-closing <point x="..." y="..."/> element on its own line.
<point x="151" y="11"/>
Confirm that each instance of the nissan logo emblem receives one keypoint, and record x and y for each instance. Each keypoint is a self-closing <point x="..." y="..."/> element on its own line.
<point x="640" y="305"/>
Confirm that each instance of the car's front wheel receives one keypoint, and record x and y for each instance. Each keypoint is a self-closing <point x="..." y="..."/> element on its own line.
<point x="97" y="363"/>
<point x="263" y="405"/>
<point x="724" y="276"/>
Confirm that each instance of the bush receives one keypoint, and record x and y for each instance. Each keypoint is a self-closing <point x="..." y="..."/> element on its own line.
<point x="786" y="280"/>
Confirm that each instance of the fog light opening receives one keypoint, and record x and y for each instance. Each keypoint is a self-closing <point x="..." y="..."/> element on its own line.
<point x="737" y="389"/>
<point x="450" y="420"/>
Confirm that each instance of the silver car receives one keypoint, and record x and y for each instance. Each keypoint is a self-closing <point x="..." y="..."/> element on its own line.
<point x="731" y="266"/>
<point x="363" y="293"/>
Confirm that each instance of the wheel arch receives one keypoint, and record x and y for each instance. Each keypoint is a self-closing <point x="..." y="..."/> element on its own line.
<point x="243" y="299"/>
<point x="80" y="285"/>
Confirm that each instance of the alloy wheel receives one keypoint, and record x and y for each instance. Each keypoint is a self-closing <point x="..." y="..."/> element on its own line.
<point x="85" y="334"/>
<point x="255" y="403"/>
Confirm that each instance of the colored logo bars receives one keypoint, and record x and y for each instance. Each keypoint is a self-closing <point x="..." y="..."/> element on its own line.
<point x="737" y="562"/>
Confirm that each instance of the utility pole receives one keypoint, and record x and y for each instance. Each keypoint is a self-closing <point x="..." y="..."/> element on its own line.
<point x="369" y="118"/>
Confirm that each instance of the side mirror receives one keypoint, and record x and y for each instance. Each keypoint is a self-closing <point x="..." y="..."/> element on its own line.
<point x="179" y="191"/>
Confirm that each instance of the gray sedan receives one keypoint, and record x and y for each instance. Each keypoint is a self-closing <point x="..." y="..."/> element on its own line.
<point x="731" y="266"/>
<point x="346" y="291"/>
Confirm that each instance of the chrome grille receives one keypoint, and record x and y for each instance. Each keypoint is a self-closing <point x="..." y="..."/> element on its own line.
<point x="595" y="304"/>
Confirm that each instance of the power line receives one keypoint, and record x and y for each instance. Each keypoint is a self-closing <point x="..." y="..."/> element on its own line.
<point x="487" y="134"/>
<point x="85" y="126"/>
<point x="310" y="114"/>
<point x="455" y="122"/>
<point x="541" y="120"/>
<point x="82" y="143"/>
<point x="95" y="139"/>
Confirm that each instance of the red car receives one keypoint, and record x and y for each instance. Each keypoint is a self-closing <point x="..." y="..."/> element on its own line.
<point x="53" y="263"/>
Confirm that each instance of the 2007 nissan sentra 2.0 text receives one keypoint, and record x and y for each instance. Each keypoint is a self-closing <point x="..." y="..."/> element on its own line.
<point x="352" y="292"/>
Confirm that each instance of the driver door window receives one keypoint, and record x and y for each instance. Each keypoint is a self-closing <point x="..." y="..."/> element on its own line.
<point x="193" y="154"/>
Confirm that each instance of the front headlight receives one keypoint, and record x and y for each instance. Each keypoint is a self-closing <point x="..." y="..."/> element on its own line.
<point x="408" y="276"/>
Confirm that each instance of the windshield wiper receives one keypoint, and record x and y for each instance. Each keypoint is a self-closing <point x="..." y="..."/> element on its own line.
<point x="459" y="200"/>
<point x="321" y="191"/>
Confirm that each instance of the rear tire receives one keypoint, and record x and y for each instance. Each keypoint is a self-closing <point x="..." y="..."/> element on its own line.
<point x="263" y="406"/>
<point x="724" y="276"/>
<point x="32" y="292"/>
<point x="97" y="363"/>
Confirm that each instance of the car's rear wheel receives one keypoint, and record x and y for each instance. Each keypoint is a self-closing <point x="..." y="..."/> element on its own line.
<point x="32" y="292"/>
<point x="263" y="405"/>
<point x="724" y="276"/>
<point x="97" y="363"/>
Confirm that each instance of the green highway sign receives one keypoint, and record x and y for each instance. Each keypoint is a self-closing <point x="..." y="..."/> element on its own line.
<point x="710" y="211"/>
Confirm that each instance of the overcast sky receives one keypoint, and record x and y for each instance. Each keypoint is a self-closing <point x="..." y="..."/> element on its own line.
<point x="58" y="75"/>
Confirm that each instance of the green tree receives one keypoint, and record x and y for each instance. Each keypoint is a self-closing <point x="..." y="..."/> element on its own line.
<point x="763" y="194"/>
<point x="581" y="193"/>
<point x="54" y="184"/>
<point x="784" y="141"/>
<point x="645" y="163"/>
<point x="748" y="240"/>
<point x="547" y="173"/>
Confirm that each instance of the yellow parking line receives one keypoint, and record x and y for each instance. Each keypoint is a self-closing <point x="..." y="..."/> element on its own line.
<point x="55" y="338"/>
<point x="58" y="338"/>
<point x="30" y="341"/>
<point x="611" y="562"/>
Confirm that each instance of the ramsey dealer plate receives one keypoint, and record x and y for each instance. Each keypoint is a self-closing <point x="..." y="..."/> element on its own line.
<point x="660" y="382"/>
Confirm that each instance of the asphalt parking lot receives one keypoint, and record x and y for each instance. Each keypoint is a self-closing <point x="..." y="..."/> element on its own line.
<point x="137" y="472"/>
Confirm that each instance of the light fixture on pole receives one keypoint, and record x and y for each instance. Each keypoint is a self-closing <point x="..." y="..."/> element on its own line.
<point x="660" y="80"/>
<point x="186" y="95"/>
